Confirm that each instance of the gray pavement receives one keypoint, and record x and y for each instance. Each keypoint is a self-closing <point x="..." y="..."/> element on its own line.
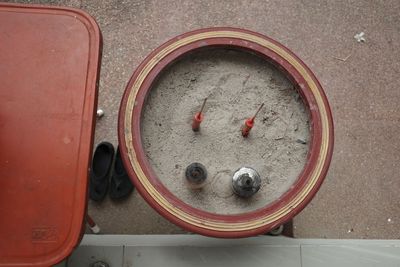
<point x="360" y="196"/>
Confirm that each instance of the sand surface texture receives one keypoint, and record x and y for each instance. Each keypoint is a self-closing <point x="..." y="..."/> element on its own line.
<point x="236" y="83"/>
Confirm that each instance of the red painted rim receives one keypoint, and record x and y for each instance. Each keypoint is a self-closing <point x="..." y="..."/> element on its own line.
<point x="315" y="132"/>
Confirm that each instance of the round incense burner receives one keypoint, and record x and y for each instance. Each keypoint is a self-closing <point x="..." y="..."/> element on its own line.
<point x="192" y="217"/>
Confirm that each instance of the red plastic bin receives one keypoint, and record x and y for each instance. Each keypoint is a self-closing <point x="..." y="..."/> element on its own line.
<point x="49" y="61"/>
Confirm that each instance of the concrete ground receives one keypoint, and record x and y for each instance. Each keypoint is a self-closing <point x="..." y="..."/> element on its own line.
<point x="360" y="197"/>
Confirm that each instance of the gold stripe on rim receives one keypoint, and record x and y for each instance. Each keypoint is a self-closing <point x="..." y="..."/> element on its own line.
<point x="213" y="224"/>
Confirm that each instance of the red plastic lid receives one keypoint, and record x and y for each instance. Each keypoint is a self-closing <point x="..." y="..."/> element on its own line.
<point x="49" y="59"/>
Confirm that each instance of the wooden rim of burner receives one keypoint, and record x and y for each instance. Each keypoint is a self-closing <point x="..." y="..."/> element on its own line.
<point x="237" y="225"/>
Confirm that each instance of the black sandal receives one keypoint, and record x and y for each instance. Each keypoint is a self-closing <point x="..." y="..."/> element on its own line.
<point x="100" y="171"/>
<point x="121" y="185"/>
